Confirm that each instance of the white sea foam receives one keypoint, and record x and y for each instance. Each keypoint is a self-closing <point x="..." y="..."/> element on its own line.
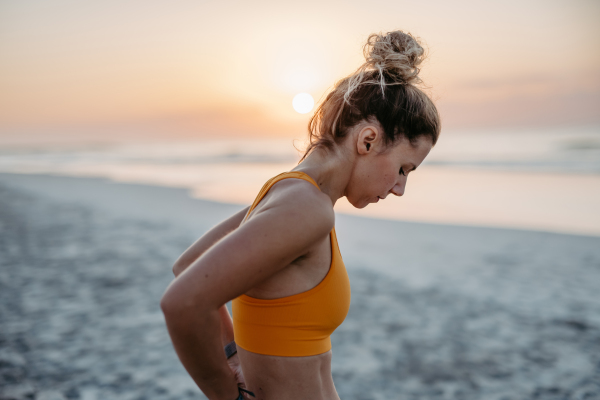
<point x="546" y="179"/>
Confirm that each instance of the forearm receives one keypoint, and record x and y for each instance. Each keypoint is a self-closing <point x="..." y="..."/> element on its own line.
<point x="196" y="339"/>
<point x="226" y="325"/>
<point x="207" y="240"/>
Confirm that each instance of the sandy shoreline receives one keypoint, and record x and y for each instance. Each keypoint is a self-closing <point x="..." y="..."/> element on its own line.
<point x="438" y="312"/>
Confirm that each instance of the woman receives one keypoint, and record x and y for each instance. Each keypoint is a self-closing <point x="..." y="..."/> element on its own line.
<point x="278" y="260"/>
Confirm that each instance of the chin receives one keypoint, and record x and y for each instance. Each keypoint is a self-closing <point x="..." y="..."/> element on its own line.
<point x="360" y="206"/>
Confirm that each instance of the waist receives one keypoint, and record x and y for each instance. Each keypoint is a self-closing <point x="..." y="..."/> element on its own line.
<point x="292" y="378"/>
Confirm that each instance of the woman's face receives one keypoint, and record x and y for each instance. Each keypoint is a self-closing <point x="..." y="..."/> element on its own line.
<point x="380" y="170"/>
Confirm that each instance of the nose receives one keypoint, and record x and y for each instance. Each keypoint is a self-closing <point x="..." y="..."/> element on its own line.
<point x="398" y="189"/>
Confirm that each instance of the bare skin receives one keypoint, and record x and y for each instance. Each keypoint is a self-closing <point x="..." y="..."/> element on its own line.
<point x="282" y="248"/>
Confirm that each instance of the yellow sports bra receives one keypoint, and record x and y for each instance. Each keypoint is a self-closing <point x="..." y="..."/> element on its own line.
<point x="297" y="325"/>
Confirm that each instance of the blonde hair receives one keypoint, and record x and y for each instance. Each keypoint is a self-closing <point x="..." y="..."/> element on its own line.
<point x="384" y="88"/>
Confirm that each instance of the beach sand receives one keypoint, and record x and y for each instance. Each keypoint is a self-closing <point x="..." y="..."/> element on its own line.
<point x="438" y="311"/>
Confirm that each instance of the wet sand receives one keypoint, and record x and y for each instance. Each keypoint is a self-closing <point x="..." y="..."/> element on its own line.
<point x="438" y="311"/>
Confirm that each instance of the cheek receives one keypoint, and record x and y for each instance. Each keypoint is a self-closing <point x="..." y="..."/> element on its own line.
<point x="379" y="182"/>
<point x="373" y="179"/>
<point x="380" y="175"/>
<point x="387" y="176"/>
<point x="389" y="179"/>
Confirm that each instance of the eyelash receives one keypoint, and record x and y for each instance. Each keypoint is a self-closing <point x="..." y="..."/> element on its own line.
<point x="402" y="172"/>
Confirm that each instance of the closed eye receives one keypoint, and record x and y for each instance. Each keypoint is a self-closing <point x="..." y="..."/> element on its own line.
<point x="402" y="171"/>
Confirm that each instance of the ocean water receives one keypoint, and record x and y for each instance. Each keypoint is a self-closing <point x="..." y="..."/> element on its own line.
<point x="544" y="178"/>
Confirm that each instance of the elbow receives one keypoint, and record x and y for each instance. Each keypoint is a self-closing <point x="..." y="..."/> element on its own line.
<point x="177" y="304"/>
<point x="182" y="316"/>
<point x="174" y="303"/>
<point x="168" y="305"/>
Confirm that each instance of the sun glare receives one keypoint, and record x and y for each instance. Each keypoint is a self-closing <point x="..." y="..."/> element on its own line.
<point x="303" y="103"/>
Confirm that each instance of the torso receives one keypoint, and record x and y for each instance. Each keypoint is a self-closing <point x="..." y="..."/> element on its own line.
<point x="290" y="378"/>
<point x="274" y="377"/>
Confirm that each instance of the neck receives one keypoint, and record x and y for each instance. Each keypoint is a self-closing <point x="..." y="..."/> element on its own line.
<point x="330" y="169"/>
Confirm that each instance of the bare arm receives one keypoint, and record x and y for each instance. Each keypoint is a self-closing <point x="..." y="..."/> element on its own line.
<point x="198" y="248"/>
<point x="264" y="245"/>
<point x="207" y="240"/>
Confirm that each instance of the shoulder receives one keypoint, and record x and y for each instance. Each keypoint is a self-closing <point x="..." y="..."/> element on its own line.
<point x="297" y="201"/>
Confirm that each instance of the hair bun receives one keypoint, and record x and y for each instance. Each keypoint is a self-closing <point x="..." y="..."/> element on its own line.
<point x="395" y="54"/>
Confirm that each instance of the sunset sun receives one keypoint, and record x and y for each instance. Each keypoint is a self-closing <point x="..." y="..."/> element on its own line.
<point x="303" y="103"/>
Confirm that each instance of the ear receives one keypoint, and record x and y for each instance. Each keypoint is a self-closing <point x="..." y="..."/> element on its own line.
<point x="366" y="139"/>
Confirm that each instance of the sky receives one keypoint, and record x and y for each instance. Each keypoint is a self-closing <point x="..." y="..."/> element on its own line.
<point x="205" y="68"/>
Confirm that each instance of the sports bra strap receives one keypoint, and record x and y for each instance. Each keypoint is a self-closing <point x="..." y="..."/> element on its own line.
<point x="267" y="186"/>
